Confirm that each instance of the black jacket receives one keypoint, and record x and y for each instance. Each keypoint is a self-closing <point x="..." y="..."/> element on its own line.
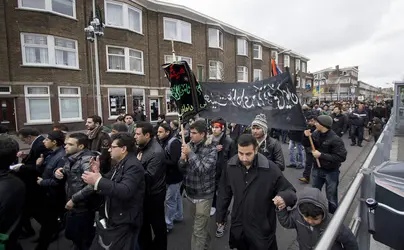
<point x="153" y="164"/>
<point x="12" y="192"/>
<point x="228" y="150"/>
<point x="272" y="150"/>
<point x="331" y="147"/>
<point x="172" y="150"/>
<point x="123" y="191"/>
<point x="253" y="215"/>
<point x="359" y="118"/>
<point x="339" y="124"/>
<point x="101" y="144"/>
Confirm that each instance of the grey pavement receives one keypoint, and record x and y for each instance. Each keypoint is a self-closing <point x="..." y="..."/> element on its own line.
<point x="180" y="237"/>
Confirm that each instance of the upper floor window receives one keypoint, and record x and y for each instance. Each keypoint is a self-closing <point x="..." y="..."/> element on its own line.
<point x="304" y="67"/>
<point x="46" y="50"/>
<point x="274" y="55"/>
<point x="215" y="38"/>
<point x="297" y="65"/>
<point x="169" y="59"/>
<point x="257" y="51"/>
<point x="242" y="47"/>
<point x="286" y="61"/>
<point x="120" y="15"/>
<point x="62" y="7"/>
<point x="120" y="59"/>
<point x="177" y="30"/>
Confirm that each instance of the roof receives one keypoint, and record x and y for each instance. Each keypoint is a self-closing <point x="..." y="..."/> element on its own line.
<point x="331" y="69"/>
<point x="180" y="10"/>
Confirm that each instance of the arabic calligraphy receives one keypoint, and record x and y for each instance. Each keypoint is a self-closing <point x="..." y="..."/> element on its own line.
<point x="177" y="91"/>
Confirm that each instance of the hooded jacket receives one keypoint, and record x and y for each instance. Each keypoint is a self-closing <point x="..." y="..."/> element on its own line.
<point x="377" y="127"/>
<point x="308" y="235"/>
<point x="272" y="150"/>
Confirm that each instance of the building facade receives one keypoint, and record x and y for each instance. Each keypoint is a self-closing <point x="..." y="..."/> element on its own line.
<point x="47" y="64"/>
<point x="367" y="91"/>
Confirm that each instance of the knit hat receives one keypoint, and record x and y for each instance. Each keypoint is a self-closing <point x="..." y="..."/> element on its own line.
<point x="261" y="121"/>
<point x="325" y="120"/>
<point x="57" y="136"/>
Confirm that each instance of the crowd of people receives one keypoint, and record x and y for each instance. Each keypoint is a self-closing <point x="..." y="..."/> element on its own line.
<point x="125" y="188"/>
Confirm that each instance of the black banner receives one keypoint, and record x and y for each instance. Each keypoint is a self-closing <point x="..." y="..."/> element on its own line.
<point x="185" y="89"/>
<point x="241" y="102"/>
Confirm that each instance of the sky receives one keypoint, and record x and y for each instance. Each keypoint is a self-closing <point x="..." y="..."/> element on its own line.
<point x="364" y="33"/>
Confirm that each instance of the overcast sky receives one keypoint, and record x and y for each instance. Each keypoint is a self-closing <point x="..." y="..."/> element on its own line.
<point x="367" y="33"/>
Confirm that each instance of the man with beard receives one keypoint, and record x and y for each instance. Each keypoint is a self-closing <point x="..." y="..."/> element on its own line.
<point x="80" y="215"/>
<point x="151" y="155"/>
<point x="99" y="141"/>
<point x="130" y="124"/>
<point x="267" y="145"/>
<point x="253" y="182"/>
<point x="172" y="149"/>
<point x="123" y="191"/>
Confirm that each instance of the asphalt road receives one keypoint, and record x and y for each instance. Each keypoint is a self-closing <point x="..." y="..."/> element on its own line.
<point x="180" y="237"/>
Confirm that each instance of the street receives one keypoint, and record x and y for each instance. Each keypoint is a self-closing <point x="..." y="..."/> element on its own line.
<point x="179" y="238"/>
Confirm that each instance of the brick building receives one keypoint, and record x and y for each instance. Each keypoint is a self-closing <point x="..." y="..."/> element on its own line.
<point x="47" y="65"/>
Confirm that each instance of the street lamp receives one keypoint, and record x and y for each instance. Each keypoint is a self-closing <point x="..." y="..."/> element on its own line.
<point x="93" y="31"/>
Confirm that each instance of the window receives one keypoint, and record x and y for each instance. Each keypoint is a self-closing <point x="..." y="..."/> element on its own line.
<point x="242" y="74"/>
<point x="286" y="61"/>
<point x="37" y="104"/>
<point x="120" y="15"/>
<point x="215" y="38"/>
<point x="297" y="65"/>
<point x="62" y="7"/>
<point x="169" y="59"/>
<point x="200" y="73"/>
<point x="303" y="83"/>
<point x="70" y="103"/>
<point x="216" y="70"/>
<point x="177" y="30"/>
<point x="5" y="90"/>
<point x="171" y="105"/>
<point x="121" y="59"/>
<point x="274" y="55"/>
<point x="304" y="67"/>
<point x="257" y="75"/>
<point x="117" y="102"/>
<point x="242" y="47"/>
<point x="46" y="50"/>
<point x="298" y="81"/>
<point x="154" y="109"/>
<point x="257" y="51"/>
<point x="138" y="97"/>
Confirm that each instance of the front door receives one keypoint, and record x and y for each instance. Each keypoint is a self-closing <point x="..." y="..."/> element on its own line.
<point x="7" y="115"/>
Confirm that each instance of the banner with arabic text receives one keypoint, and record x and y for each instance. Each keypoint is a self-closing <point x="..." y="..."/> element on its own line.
<point x="241" y="102"/>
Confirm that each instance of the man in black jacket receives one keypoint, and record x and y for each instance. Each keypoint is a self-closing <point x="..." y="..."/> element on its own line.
<point x="151" y="155"/>
<point x="253" y="181"/>
<point x="28" y="174"/>
<point x="267" y="146"/>
<point x="331" y="152"/>
<point x="172" y="149"/>
<point x="123" y="190"/>
<point x="358" y="119"/>
<point x="12" y="193"/>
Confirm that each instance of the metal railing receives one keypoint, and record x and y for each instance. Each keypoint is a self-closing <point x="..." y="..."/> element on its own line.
<point x="359" y="225"/>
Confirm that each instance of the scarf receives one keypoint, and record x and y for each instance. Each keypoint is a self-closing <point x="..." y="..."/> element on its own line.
<point x="217" y="138"/>
<point x="93" y="133"/>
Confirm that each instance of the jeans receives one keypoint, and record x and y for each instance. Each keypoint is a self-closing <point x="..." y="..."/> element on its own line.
<point x="309" y="164"/>
<point x="173" y="205"/>
<point x="357" y="132"/>
<point x="200" y="211"/>
<point x="300" y="151"/>
<point x="331" y="180"/>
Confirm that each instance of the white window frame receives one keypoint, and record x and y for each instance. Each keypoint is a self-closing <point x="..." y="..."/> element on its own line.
<point x="218" y="33"/>
<point x="245" y="45"/>
<point x="109" y="103"/>
<point x="276" y="55"/>
<point x="178" y="32"/>
<point x="219" y="73"/>
<point x="48" y="8"/>
<point x="245" y="73"/>
<point x="125" y="16"/>
<point x="36" y="96"/>
<point x="260" y="75"/>
<point x="127" y="60"/>
<point x="51" y="52"/>
<point x="304" y="67"/>
<point x="6" y="93"/>
<point x="259" y="47"/>
<point x="298" y="66"/>
<point x="284" y="61"/>
<point x="143" y="94"/>
<point x="77" y="96"/>
<point x="179" y="58"/>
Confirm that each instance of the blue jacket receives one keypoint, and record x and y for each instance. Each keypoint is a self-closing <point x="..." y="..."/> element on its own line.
<point x="54" y="160"/>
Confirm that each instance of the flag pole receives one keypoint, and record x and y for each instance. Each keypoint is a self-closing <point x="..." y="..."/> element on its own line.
<point x="173" y="51"/>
